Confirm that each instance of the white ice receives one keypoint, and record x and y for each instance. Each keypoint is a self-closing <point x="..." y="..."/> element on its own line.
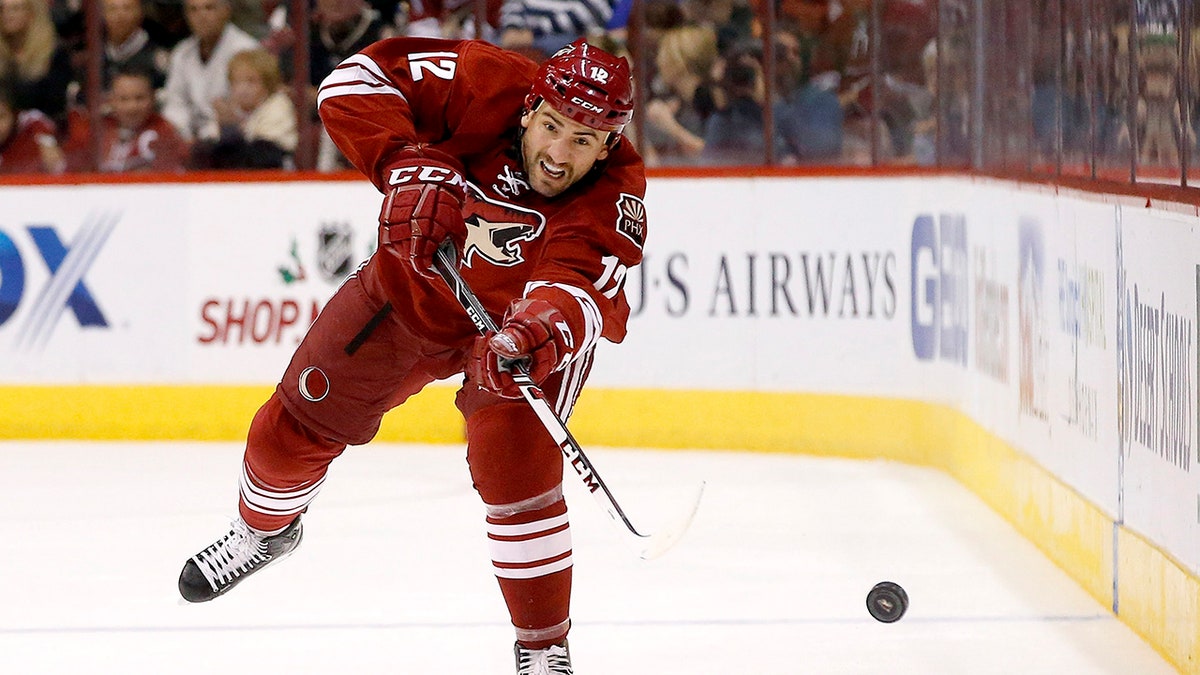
<point x="393" y="575"/>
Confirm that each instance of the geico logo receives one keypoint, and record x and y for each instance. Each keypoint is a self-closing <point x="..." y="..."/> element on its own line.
<point x="424" y="174"/>
<point x="586" y="105"/>
<point x="940" y="288"/>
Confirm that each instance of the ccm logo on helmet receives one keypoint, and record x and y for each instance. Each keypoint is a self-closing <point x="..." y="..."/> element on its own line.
<point x="586" y="105"/>
<point x="425" y="174"/>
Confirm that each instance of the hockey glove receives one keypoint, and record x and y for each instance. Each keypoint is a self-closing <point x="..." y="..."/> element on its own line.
<point x="534" y="332"/>
<point x="423" y="207"/>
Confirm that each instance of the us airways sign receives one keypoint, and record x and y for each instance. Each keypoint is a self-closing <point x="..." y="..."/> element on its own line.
<point x="809" y="284"/>
<point x="32" y="309"/>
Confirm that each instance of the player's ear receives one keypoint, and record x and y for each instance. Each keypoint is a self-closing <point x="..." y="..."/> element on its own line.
<point x="525" y="117"/>
<point x="603" y="154"/>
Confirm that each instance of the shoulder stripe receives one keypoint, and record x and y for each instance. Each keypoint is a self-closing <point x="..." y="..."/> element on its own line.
<point x="356" y="76"/>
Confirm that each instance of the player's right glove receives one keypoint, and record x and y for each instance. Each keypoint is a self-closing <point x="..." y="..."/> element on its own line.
<point x="534" y="332"/>
<point x="423" y="207"/>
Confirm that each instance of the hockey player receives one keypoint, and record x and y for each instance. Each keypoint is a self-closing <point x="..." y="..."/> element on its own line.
<point x="525" y="169"/>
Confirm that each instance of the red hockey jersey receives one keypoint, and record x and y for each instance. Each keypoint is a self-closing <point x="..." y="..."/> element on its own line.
<point x="465" y="99"/>
<point x="21" y="153"/>
<point x="155" y="146"/>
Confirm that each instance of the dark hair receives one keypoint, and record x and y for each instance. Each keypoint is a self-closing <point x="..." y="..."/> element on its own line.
<point x="131" y="70"/>
<point x="741" y="75"/>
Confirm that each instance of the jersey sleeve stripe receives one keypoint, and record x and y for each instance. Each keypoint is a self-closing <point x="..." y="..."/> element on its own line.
<point x="572" y="384"/>
<point x="357" y="75"/>
<point x="367" y="64"/>
<point x="355" y="90"/>
<point x="593" y="320"/>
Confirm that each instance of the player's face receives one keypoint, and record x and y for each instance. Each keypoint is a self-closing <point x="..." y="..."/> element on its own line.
<point x="132" y="101"/>
<point x="557" y="150"/>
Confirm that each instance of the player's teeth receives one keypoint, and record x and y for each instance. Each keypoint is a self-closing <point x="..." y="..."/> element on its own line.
<point x="553" y="171"/>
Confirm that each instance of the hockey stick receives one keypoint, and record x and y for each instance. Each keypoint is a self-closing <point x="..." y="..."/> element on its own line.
<point x="647" y="546"/>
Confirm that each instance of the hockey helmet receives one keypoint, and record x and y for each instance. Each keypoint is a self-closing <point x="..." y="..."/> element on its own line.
<point x="587" y="84"/>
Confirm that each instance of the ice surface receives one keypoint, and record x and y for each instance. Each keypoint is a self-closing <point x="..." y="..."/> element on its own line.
<point x="394" y="576"/>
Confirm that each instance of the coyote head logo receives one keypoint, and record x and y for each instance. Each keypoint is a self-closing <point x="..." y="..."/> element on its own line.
<point x="495" y="230"/>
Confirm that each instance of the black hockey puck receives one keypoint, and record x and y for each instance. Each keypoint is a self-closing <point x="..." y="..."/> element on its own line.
<point x="887" y="602"/>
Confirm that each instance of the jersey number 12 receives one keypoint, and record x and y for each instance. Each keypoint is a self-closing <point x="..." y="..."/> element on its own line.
<point x="438" y="64"/>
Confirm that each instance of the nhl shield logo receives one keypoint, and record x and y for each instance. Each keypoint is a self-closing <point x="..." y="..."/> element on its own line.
<point x="631" y="219"/>
<point x="333" y="251"/>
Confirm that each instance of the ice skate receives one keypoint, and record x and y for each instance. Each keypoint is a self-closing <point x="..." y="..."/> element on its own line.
<point x="234" y="557"/>
<point x="553" y="660"/>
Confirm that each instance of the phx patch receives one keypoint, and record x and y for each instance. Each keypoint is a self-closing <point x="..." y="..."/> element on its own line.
<point x="631" y="219"/>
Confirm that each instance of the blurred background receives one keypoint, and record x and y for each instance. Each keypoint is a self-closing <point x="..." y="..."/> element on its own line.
<point x="1094" y="89"/>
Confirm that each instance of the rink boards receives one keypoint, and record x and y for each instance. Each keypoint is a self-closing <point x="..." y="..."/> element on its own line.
<point x="1038" y="344"/>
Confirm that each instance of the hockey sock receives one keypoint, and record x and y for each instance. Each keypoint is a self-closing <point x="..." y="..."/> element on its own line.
<point x="531" y="556"/>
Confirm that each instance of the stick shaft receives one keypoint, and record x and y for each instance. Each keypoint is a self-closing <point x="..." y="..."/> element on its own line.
<point x="445" y="263"/>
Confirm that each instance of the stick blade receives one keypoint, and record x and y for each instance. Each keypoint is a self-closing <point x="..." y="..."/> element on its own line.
<point x="653" y="545"/>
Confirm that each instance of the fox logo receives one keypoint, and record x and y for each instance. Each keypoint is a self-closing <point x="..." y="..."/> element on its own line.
<point x="495" y="230"/>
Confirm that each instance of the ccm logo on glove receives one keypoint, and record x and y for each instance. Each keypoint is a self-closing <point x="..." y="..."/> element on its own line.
<point x="426" y="174"/>
<point x="423" y="207"/>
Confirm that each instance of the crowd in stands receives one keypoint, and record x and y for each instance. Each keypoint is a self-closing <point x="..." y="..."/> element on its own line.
<point x="207" y="84"/>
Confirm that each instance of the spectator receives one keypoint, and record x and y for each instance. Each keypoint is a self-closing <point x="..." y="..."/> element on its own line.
<point x="810" y="120"/>
<point x="451" y="19"/>
<point x="924" y="140"/>
<point x="127" y="44"/>
<point x="808" y="113"/>
<point x="733" y="135"/>
<point x="165" y="22"/>
<point x="133" y="135"/>
<point x="251" y="15"/>
<point x="198" y="73"/>
<point x="658" y="17"/>
<point x="32" y="57"/>
<point x="682" y="96"/>
<point x="67" y="17"/>
<point x="338" y="30"/>
<point x="733" y="21"/>
<point x="257" y="120"/>
<point x="341" y="28"/>
<point x="544" y="28"/>
<point x="27" y="138"/>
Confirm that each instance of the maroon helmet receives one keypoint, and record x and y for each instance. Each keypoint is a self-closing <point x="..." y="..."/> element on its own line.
<point x="587" y="84"/>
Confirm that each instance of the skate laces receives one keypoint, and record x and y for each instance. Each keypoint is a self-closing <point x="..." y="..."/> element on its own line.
<point x="553" y="660"/>
<point x="235" y="554"/>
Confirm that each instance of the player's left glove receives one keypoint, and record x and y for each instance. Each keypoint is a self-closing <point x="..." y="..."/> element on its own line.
<point x="533" y="331"/>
